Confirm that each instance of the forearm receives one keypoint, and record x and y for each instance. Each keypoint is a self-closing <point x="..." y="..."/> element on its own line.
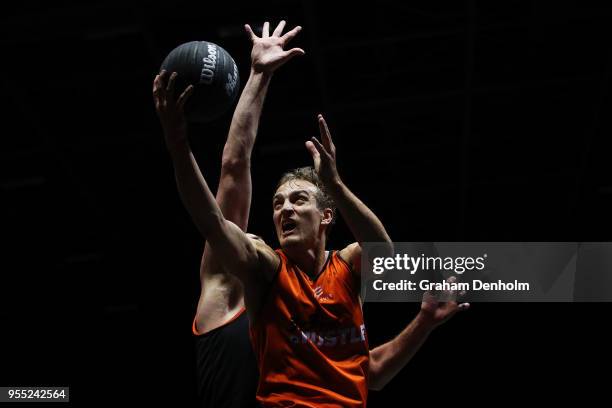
<point x="234" y="192"/>
<point x="245" y="121"/>
<point x="388" y="359"/>
<point x="193" y="189"/>
<point x="225" y="238"/>
<point x="363" y="223"/>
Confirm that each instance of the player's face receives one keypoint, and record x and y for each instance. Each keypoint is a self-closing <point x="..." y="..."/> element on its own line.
<point x="297" y="220"/>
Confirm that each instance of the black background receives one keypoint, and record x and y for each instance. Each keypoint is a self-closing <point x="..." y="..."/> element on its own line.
<point x="459" y="120"/>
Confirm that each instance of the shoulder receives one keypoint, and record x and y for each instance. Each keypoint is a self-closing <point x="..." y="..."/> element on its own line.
<point x="269" y="259"/>
<point x="351" y="255"/>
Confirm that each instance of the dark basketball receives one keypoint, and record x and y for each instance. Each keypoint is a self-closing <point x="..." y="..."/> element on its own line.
<point x="212" y="72"/>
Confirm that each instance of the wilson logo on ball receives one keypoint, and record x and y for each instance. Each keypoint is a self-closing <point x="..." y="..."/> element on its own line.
<point x="210" y="61"/>
<point x="212" y="72"/>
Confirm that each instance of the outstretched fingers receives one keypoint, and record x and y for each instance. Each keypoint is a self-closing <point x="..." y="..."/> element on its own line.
<point x="455" y="295"/>
<point x="290" y="34"/>
<point x="325" y="135"/>
<point x="170" y="86"/>
<point x="156" y="86"/>
<point x="451" y="294"/>
<point x="463" y="306"/>
<point x="265" y="32"/>
<point x="184" y="96"/>
<point x="279" y="29"/>
<point x="292" y="53"/>
<point x="314" y="152"/>
<point x="317" y="145"/>
<point x="250" y="32"/>
<point x="159" y="84"/>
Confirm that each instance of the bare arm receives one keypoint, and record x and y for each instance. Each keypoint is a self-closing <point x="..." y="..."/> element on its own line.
<point x="252" y="262"/>
<point x="227" y="240"/>
<point x="388" y="359"/>
<point x="235" y="188"/>
<point x="267" y="54"/>
<point x="363" y="223"/>
<point x="234" y="192"/>
<point x="241" y="255"/>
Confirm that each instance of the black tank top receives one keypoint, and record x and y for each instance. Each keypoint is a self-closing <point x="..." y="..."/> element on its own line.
<point x="226" y="366"/>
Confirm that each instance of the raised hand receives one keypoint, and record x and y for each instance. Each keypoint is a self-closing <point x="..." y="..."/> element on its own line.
<point x="438" y="309"/>
<point x="324" y="154"/>
<point x="268" y="51"/>
<point x="170" y="109"/>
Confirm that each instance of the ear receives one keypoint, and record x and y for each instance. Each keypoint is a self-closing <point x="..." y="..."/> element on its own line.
<point x="328" y="216"/>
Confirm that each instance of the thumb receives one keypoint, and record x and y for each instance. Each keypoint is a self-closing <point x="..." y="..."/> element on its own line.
<point x="292" y="53"/>
<point x="316" y="156"/>
<point x="312" y="149"/>
<point x="463" y="306"/>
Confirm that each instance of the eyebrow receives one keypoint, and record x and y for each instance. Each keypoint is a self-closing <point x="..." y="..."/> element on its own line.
<point x="277" y="195"/>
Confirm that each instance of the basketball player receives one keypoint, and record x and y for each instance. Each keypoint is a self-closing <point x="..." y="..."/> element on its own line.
<point x="226" y="367"/>
<point x="385" y="361"/>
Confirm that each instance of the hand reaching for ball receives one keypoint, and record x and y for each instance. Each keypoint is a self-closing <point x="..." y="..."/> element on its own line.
<point x="170" y="109"/>
<point x="268" y="51"/>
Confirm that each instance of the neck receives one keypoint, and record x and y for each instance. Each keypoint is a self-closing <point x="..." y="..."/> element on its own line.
<point x="309" y="260"/>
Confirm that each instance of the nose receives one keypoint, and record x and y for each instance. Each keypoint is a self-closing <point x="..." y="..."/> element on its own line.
<point x="287" y="207"/>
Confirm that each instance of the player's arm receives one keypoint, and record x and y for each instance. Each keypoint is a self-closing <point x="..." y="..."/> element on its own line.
<point x="388" y="359"/>
<point x="267" y="54"/>
<point x="363" y="223"/>
<point x="234" y="192"/>
<point x="230" y="243"/>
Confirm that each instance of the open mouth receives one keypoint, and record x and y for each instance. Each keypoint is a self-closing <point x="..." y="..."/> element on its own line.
<point x="288" y="226"/>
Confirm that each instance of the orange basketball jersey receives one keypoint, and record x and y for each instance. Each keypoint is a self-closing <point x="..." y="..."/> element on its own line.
<point x="310" y="339"/>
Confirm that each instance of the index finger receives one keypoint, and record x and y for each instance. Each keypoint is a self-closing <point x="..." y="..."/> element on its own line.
<point x="451" y="294"/>
<point x="325" y="135"/>
<point x="158" y="84"/>
<point x="279" y="29"/>
<point x="250" y="32"/>
<point x="288" y="36"/>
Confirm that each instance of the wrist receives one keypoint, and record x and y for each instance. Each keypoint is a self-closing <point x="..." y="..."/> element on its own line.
<point x="177" y="147"/>
<point x="335" y="185"/>
<point x="175" y="131"/>
<point x="425" y="321"/>
<point x="260" y="74"/>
